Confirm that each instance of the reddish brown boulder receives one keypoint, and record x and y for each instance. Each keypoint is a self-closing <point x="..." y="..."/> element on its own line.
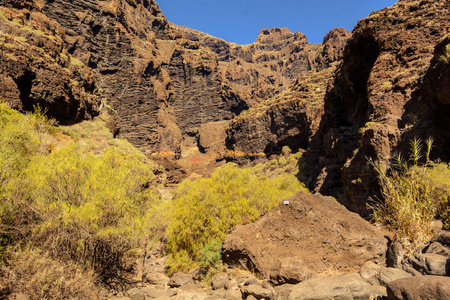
<point x="312" y="235"/>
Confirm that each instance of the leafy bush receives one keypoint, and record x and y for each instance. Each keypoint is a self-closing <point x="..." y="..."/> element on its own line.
<point x="205" y="210"/>
<point x="413" y="195"/>
<point x="210" y="260"/>
<point x="18" y="141"/>
<point x="74" y="203"/>
<point x="210" y="256"/>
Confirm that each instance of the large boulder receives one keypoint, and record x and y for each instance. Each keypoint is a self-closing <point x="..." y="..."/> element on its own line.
<point x="344" y="286"/>
<point x="380" y="275"/>
<point x="181" y="279"/>
<point x="443" y="238"/>
<point x="419" y="287"/>
<point x="430" y="264"/>
<point x="310" y="235"/>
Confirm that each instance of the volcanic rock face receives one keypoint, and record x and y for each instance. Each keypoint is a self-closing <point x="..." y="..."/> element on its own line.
<point x="117" y="39"/>
<point x="288" y="119"/>
<point x="391" y="87"/>
<point x="36" y="69"/>
<point x="165" y="81"/>
<point x="311" y="235"/>
<point x="199" y="96"/>
<point x="273" y="62"/>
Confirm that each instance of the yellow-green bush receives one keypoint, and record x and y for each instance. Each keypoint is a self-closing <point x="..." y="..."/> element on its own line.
<point x="438" y="176"/>
<point x="18" y="141"/>
<point x="207" y="209"/>
<point x="76" y="204"/>
<point x="88" y="207"/>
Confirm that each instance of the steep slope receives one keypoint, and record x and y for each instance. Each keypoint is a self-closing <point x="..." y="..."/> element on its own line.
<point x="175" y="90"/>
<point x="288" y="119"/>
<point x="392" y="86"/>
<point x="273" y="62"/>
<point x="36" y="69"/>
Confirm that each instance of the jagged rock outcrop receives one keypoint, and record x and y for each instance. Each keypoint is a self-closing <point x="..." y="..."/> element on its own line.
<point x="118" y="41"/>
<point x="276" y="119"/>
<point x="308" y="236"/>
<point x="272" y="63"/>
<point x="288" y="119"/>
<point x="199" y="95"/>
<point x="36" y="69"/>
<point x="391" y="87"/>
<point x="165" y="82"/>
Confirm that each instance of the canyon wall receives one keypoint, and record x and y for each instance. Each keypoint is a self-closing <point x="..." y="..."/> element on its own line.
<point x="392" y="86"/>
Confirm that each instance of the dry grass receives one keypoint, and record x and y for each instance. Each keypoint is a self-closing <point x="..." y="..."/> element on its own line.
<point x="34" y="273"/>
<point x="412" y="196"/>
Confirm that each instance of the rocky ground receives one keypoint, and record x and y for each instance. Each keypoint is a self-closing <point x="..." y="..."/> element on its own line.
<point x="188" y="99"/>
<point x="309" y="247"/>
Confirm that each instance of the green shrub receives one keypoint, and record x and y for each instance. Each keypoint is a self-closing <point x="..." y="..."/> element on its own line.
<point x="86" y="207"/>
<point x="210" y="256"/>
<point x="205" y="210"/>
<point x="18" y="141"/>
<point x="438" y="176"/>
<point x="210" y="260"/>
<point x="58" y="195"/>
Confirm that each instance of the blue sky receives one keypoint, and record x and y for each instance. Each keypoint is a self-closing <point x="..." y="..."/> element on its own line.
<point x="241" y="20"/>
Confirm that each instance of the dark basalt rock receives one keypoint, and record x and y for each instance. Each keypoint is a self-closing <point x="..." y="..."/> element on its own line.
<point x="389" y="89"/>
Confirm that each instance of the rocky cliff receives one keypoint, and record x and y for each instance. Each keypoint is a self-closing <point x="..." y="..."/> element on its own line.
<point x="68" y="56"/>
<point x="273" y="62"/>
<point x="37" y="70"/>
<point x="261" y="75"/>
<point x="391" y="86"/>
<point x="288" y="119"/>
<point x="167" y="83"/>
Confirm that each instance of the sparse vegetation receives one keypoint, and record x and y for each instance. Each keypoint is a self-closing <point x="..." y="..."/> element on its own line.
<point x="35" y="272"/>
<point x="413" y="195"/>
<point x="205" y="210"/>
<point x="75" y="61"/>
<point x="387" y="85"/>
<point x="445" y="58"/>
